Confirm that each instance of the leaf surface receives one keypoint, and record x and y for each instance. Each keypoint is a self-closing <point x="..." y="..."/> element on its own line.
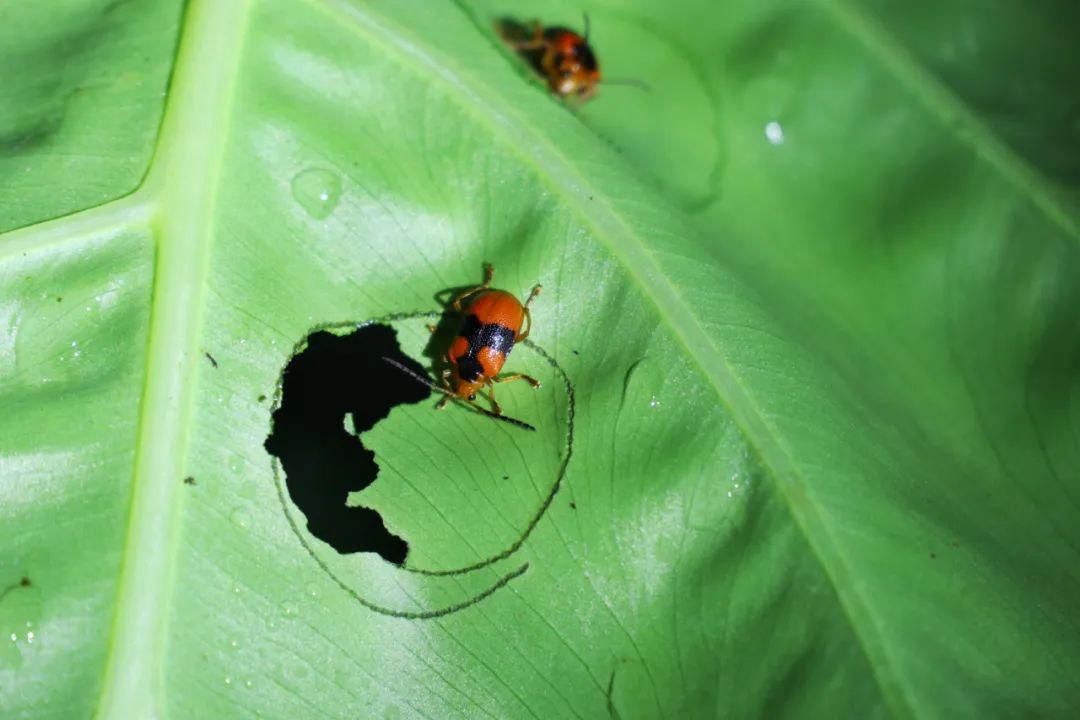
<point x="807" y="437"/>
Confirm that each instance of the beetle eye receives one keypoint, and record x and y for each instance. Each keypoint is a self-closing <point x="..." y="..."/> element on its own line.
<point x="473" y="396"/>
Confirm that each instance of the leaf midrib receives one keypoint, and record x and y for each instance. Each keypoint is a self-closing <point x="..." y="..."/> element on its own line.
<point x="180" y="186"/>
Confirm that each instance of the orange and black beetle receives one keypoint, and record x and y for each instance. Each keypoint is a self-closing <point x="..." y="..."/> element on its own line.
<point x="492" y="321"/>
<point x="562" y="56"/>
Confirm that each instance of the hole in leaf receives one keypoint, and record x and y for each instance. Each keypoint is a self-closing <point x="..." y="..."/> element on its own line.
<point x="336" y="379"/>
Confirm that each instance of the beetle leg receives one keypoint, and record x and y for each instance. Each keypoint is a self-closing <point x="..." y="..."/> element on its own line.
<point x="528" y="327"/>
<point x="447" y="390"/>
<point x="532" y="295"/>
<point x="535" y="42"/>
<point x="455" y="304"/>
<point x="489" y="273"/>
<point x="528" y="315"/>
<point x="516" y="376"/>
<point x="491" y="396"/>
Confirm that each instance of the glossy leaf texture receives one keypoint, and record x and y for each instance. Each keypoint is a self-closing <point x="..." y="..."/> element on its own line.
<point x="808" y="433"/>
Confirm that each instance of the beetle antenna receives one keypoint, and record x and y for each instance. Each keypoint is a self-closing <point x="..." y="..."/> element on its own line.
<point x="417" y="377"/>
<point x="586" y="16"/>
<point x="630" y="82"/>
<point x="427" y="381"/>
<point x="504" y="418"/>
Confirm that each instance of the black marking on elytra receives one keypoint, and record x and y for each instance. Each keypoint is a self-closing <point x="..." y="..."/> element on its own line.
<point x="469" y="368"/>
<point x="302" y="537"/>
<point x="497" y="337"/>
<point x="586" y="56"/>
<point x="211" y="359"/>
<point x="470" y="327"/>
<point x="491" y="335"/>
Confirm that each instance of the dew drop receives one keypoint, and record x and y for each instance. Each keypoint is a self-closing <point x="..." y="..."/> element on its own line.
<point x="317" y="191"/>
<point x="654" y="403"/>
<point x="20" y="617"/>
<point x="290" y="609"/>
<point x="249" y="684"/>
<point x="10" y="657"/>
<point x="774" y="133"/>
<point x="312" y="591"/>
<point x="107" y="299"/>
<point x="240" y="517"/>
<point x="248" y="491"/>
<point x="228" y="680"/>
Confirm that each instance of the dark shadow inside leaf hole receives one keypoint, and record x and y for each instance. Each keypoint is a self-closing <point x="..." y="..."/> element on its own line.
<point x="332" y="377"/>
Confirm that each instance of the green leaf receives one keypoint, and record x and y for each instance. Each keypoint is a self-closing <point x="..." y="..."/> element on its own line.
<point x="82" y="95"/>
<point x="807" y="441"/>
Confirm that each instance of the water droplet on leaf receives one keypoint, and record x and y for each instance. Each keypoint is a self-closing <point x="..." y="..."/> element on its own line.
<point x="317" y="191"/>
<point x="774" y="132"/>
<point x="20" y="613"/>
<point x="241" y="518"/>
